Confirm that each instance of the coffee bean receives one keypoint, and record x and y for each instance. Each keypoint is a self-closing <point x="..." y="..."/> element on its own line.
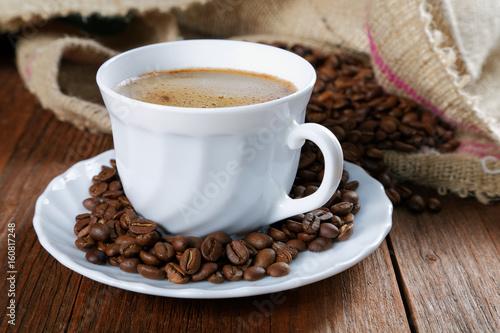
<point x="99" y="232"/>
<point x="404" y="147"/>
<point x="320" y="244"/>
<point x="211" y="249"/>
<point x="232" y="273"/>
<point x="349" y="218"/>
<point x="355" y="208"/>
<point x="237" y="252"/>
<point x="297" y="218"/>
<point x="345" y="232"/>
<point x="85" y="243"/>
<point x="342" y="208"/>
<point x="333" y="200"/>
<point x="127" y="217"/>
<point x="374" y="153"/>
<point x="393" y="195"/>
<point x="167" y="238"/>
<point x="284" y="257"/>
<point x="254" y="273"/>
<point x="328" y="230"/>
<point x="306" y="159"/>
<point x="164" y="251"/>
<point x="289" y="234"/>
<point x="109" y="194"/>
<point x="336" y="221"/>
<point x="434" y="205"/>
<point x="265" y="258"/>
<point x="388" y="126"/>
<point x="350" y="196"/>
<point x="112" y="250"/>
<point x="124" y="239"/>
<point x="277" y="235"/>
<point x="91" y="203"/>
<point x="310" y="223"/>
<point x="416" y="204"/>
<point x="176" y="274"/>
<point x="280" y="247"/>
<point x="205" y="271"/>
<point x="129" y="265"/>
<point x="191" y="260"/>
<point x="259" y="240"/>
<point x="323" y="214"/>
<point x="101" y="246"/>
<point x="115" y="185"/>
<point x="222" y="237"/>
<point x="149" y="258"/>
<point x="119" y="229"/>
<point x="293" y="226"/>
<point x="351" y="152"/>
<point x="80" y="224"/>
<point x="297" y="191"/>
<point x="307" y="175"/>
<point x="216" y="278"/>
<point x="104" y="211"/>
<point x="98" y="189"/>
<point x="125" y="202"/>
<point x="297" y="244"/>
<point x="149" y="239"/>
<point x="305" y="237"/>
<point x="195" y="242"/>
<point x="106" y="174"/>
<point x="142" y="226"/>
<point x="404" y="192"/>
<point x="96" y="257"/>
<point x="252" y="251"/>
<point x="151" y="272"/>
<point x="278" y="269"/>
<point x="113" y="261"/>
<point x="311" y="188"/>
<point x="130" y="250"/>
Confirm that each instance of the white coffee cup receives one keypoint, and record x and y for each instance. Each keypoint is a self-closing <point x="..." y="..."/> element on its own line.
<point x="196" y="171"/>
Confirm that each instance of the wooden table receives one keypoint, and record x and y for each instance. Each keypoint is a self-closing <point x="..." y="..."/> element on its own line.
<point x="433" y="273"/>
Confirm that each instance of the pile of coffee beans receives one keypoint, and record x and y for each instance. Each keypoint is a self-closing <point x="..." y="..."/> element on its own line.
<point x="113" y="232"/>
<point x="367" y="120"/>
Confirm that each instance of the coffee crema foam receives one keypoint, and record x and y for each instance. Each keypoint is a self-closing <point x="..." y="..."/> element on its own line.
<point x="205" y="88"/>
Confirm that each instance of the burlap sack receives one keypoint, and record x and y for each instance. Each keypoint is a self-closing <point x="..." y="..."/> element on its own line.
<point x="60" y="69"/>
<point x="430" y="51"/>
<point x="28" y="16"/>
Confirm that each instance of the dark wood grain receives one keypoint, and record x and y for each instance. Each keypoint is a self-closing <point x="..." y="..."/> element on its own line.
<point x="446" y="264"/>
<point x="334" y="304"/>
<point x="450" y="266"/>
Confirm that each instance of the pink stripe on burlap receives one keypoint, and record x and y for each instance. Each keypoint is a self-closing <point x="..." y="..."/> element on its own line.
<point x="402" y="85"/>
<point x="479" y="145"/>
<point x="476" y="152"/>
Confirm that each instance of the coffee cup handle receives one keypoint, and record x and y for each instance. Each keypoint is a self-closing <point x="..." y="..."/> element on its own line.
<point x="334" y="159"/>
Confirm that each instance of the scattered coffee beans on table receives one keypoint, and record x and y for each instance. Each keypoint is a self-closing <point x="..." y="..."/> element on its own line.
<point x="113" y="232"/>
<point x="366" y="120"/>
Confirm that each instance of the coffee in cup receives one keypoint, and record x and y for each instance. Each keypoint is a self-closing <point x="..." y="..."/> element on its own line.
<point x="205" y="88"/>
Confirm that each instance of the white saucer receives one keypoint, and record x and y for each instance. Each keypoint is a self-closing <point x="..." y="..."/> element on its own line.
<point x="61" y="201"/>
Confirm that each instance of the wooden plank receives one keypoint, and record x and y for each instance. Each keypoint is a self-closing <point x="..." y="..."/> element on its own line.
<point x="16" y="107"/>
<point x="450" y="266"/>
<point x="45" y="290"/>
<point x="363" y="298"/>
